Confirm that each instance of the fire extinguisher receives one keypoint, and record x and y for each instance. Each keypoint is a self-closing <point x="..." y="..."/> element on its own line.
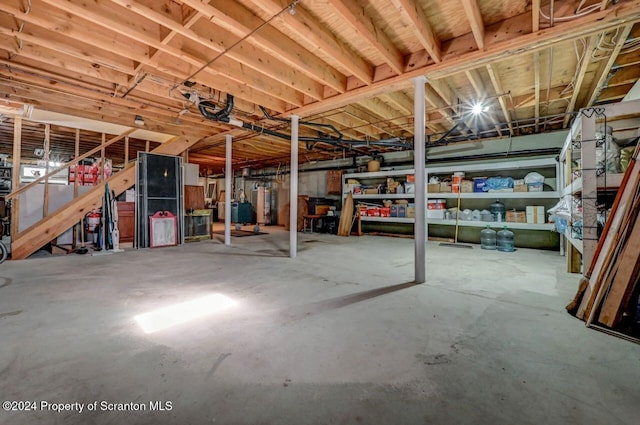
<point x="93" y="221"/>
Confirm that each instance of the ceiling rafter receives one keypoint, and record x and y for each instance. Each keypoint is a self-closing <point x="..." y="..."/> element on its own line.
<point x="497" y="86"/>
<point x="225" y="79"/>
<point x="263" y="67"/>
<point x="473" y="75"/>
<point x="581" y="71"/>
<point x="354" y="13"/>
<point x="475" y="20"/>
<point x="605" y="66"/>
<point x="315" y="33"/>
<point x="235" y="18"/>
<point x="412" y="11"/>
<point x="536" y="88"/>
<point x="535" y="15"/>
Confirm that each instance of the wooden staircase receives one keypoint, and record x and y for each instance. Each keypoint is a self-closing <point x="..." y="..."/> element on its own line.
<point x="44" y="231"/>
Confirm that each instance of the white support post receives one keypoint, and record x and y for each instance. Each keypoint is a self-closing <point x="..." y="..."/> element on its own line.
<point x="228" y="177"/>
<point x="293" y="190"/>
<point x="420" y="226"/>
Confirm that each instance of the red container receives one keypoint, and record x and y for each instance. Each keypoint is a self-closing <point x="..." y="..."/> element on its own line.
<point x="385" y="212"/>
<point x="373" y="212"/>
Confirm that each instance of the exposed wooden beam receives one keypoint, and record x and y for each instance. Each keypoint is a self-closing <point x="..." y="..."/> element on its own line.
<point x="388" y="114"/>
<point x="583" y="65"/>
<point x="413" y="13"/>
<point x="514" y="44"/>
<point x="536" y="88"/>
<point x="354" y="13"/>
<point x="475" y="20"/>
<point x="225" y="79"/>
<point x="473" y="75"/>
<point x="535" y="15"/>
<point x="247" y="55"/>
<point x="497" y="86"/>
<point x="237" y="19"/>
<point x="317" y="34"/>
<point x="605" y="66"/>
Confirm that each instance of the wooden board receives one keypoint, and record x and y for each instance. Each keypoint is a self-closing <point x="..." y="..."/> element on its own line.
<point x="194" y="198"/>
<point x="624" y="281"/>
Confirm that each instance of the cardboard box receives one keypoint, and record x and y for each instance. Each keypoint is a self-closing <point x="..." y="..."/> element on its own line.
<point x="466" y="186"/>
<point x="370" y="191"/>
<point x="520" y="188"/>
<point x="435" y="214"/>
<point x="445" y="187"/>
<point x="516" y="217"/>
<point x="433" y="187"/>
<point x="535" y="214"/>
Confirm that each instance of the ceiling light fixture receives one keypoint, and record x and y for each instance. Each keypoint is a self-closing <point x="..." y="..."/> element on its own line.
<point x="139" y="121"/>
<point x="479" y="108"/>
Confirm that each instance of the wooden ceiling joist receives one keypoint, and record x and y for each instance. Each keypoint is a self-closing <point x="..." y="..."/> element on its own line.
<point x="475" y="20"/>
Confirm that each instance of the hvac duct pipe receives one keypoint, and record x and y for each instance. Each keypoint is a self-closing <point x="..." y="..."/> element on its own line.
<point x="420" y="223"/>
<point x="293" y="189"/>
<point x="228" y="177"/>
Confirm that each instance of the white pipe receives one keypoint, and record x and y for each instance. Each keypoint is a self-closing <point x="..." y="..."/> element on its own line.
<point x="293" y="189"/>
<point x="420" y="226"/>
<point x="228" y="177"/>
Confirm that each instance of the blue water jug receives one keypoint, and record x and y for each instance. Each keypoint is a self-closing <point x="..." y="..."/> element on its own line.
<point x="488" y="238"/>
<point x="505" y="242"/>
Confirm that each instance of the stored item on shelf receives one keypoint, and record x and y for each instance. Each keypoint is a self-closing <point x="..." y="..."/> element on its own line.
<point x="445" y="187"/>
<point x="475" y="215"/>
<point x="411" y="178"/>
<point x="535" y="187"/>
<point x="466" y="214"/>
<point x="437" y="204"/>
<point x="356" y="190"/>
<point x="385" y="212"/>
<point x="520" y="188"/>
<point x="497" y="209"/>
<point x="362" y="210"/>
<point x="392" y="185"/>
<point x="498" y="184"/>
<point x="486" y="215"/>
<point x="371" y="191"/>
<point x="488" y="238"/>
<point x="387" y="203"/>
<point x="409" y="187"/>
<point x="466" y="186"/>
<point x="478" y="184"/>
<point x="373" y="166"/>
<point x="373" y="212"/>
<point x="401" y="201"/>
<point x="433" y="187"/>
<point x="436" y="214"/>
<point x="402" y="210"/>
<point x="394" y="210"/>
<point x="505" y="241"/>
<point x="456" y="178"/>
<point x="516" y="217"/>
<point x="535" y="214"/>
<point x="411" y="211"/>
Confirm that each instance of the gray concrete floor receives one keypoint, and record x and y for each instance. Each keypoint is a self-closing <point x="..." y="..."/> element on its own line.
<point x="337" y="336"/>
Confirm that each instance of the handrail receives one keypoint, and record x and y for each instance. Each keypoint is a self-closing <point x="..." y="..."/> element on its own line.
<point x="68" y="164"/>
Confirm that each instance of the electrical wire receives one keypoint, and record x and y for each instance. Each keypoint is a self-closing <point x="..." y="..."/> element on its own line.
<point x="290" y="7"/>
<point x="577" y="14"/>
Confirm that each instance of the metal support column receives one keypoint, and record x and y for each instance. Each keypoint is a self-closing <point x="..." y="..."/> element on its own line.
<point x="228" y="177"/>
<point x="420" y="226"/>
<point x="293" y="190"/>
